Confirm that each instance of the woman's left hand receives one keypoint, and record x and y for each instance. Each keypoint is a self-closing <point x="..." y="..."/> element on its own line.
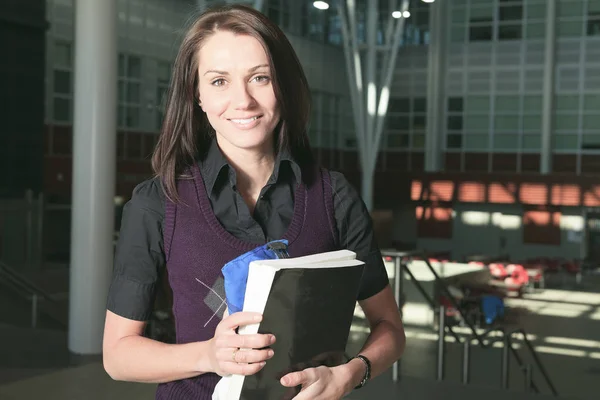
<point x="321" y="383"/>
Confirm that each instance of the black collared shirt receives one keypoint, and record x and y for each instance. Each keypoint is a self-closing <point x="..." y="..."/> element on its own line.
<point x="140" y="259"/>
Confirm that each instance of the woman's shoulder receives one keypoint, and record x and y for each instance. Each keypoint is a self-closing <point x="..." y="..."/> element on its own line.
<point x="341" y="185"/>
<point x="347" y="202"/>
<point x="149" y="195"/>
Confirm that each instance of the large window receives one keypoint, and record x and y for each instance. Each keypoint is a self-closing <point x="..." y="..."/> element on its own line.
<point x="502" y="124"/>
<point x="62" y="88"/>
<point x="593" y="18"/>
<point x="570" y="17"/>
<point x="576" y="123"/>
<point x="162" y="85"/>
<point x="481" y="22"/>
<point x="303" y="19"/>
<point x="325" y="120"/>
<point x="454" y="123"/>
<point x="416" y="29"/>
<point x="566" y="122"/>
<point x="501" y="20"/>
<point x="405" y="123"/>
<point x="130" y="88"/>
<point x="510" y="19"/>
<point x="535" y="21"/>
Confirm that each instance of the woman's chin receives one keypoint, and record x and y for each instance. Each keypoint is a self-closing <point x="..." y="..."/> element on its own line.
<point x="261" y="143"/>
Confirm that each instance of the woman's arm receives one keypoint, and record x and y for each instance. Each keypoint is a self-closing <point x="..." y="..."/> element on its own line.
<point x="129" y="356"/>
<point x="386" y="343"/>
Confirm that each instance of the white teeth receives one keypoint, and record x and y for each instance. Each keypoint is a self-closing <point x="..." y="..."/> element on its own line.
<point x="244" y="121"/>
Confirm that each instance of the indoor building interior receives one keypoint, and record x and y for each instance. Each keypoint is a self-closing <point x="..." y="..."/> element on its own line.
<point x="470" y="128"/>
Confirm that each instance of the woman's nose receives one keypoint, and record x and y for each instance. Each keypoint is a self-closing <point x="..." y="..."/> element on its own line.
<point x="241" y="97"/>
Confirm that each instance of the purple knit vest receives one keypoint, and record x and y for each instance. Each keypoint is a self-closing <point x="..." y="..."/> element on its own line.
<point x="197" y="247"/>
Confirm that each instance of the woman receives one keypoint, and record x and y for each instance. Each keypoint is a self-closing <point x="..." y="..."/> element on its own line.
<point x="234" y="170"/>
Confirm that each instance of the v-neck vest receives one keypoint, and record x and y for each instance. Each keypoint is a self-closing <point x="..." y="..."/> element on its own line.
<point x="197" y="247"/>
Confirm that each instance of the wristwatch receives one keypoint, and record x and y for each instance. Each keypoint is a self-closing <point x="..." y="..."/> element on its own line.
<point x="367" y="376"/>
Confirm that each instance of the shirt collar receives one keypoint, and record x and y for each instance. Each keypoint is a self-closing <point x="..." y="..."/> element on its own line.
<point x="216" y="170"/>
<point x="213" y="166"/>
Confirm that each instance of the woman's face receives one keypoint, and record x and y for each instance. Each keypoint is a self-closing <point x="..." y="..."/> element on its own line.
<point x="236" y="93"/>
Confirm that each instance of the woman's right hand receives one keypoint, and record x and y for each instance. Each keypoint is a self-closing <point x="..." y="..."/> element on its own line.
<point x="239" y="354"/>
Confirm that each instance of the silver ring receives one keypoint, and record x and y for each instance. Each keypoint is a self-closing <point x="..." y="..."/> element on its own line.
<point x="234" y="353"/>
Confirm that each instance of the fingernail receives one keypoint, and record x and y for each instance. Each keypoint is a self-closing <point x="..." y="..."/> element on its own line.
<point x="257" y="317"/>
<point x="262" y="364"/>
<point x="270" y="353"/>
<point x="272" y="339"/>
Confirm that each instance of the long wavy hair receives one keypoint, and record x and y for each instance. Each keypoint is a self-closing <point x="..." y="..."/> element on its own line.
<point x="186" y="132"/>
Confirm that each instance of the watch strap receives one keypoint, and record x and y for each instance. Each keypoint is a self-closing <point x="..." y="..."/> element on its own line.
<point x="367" y="375"/>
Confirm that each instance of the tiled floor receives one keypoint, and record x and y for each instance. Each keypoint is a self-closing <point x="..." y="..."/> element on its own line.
<point x="564" y="326"/>
<point x="90" y="382"/>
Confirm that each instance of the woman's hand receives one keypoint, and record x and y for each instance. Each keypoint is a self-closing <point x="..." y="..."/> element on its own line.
<point x="231" y="353"/>
<point x="324" y="383"/>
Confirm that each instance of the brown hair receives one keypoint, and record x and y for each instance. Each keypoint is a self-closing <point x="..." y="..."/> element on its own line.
<point x="186" y="132"/>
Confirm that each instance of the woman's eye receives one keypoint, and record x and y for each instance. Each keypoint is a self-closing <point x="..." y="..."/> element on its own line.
<point x="218" y="82"/>
<point x="262" y="79"/>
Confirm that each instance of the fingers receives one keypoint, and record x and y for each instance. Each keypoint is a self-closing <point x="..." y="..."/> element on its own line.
<point x="303" y="378"/>
<point x="242" y="369"/>
<point x="238" y="319"/>
<point x="241" y="361"/>
<point x="240" y="354"/>
<point x="244" y="356"/>
<point x="317" y="383"/>
<point x="256" y="341"/>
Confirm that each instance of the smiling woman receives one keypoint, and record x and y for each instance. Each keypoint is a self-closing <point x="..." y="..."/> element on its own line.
<point x="234" y="170"/>
<point x="233" y="65"/>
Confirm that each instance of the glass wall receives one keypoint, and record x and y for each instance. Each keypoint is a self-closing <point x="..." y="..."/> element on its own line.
<point x="497" y="20"/>
<point x="495" y="81"/>
<point x="62" y="81"/>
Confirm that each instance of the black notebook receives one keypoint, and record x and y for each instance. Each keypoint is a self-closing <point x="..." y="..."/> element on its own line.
<point x="308" y="304"/>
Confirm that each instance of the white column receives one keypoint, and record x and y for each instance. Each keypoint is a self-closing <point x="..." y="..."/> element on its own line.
<point x="436" y="83"/>
<point x="370" y="58"/>
<point x="94" y="164"/>
<point x="548" y="99"/>
<point x="370" y="110"/>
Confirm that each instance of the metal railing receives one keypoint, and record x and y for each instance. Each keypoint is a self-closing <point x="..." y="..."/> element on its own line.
<point x="32" y="210"/>
<point x="401" y="261"/>
<point x="507" y="349"/>
<point x="25" y="288"/>
<point x="35" y="217"/>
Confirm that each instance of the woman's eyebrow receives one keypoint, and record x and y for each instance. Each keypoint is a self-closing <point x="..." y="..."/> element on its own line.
<point x="214" y="71"/>
<point x="258" y="67"/>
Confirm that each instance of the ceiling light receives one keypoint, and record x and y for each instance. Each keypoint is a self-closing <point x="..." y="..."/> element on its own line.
<point x="401" y="14"/>
<point x="427" y="1"/>
<point x="321" y="5"/>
